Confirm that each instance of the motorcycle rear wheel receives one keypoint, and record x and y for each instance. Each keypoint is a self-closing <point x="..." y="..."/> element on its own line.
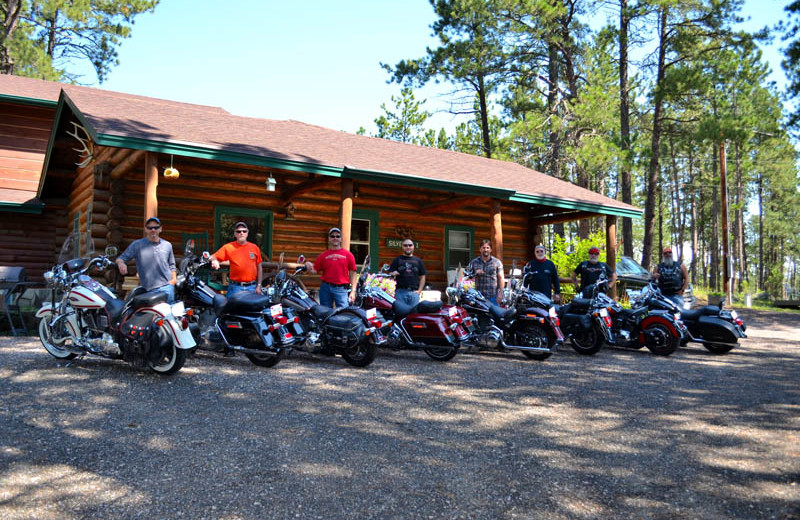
<point x="587" y="343"/>
<point x="659" y="340"/>
<point x="362" y="355"/>
<point x="53" y="347"/>
<point x="534" y="335"/>
<point x="441" y="353"/>
<point x="718" y="348"/>
<point x="266" y="360"/>
<point x="171" y="360"/>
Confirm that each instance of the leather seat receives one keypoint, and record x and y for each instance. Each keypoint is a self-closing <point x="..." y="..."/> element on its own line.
<point x="321" y="311"/>
<point x="501" y="314"/>
<point x="246" y="303"/>
<point x="149" y="299"/>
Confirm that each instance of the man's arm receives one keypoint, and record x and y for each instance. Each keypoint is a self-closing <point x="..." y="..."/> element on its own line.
<point x="501" y="282"/>
<point x="353" y="285"/>
<point x="685" y="278"/>
<point x="421" y="283"/>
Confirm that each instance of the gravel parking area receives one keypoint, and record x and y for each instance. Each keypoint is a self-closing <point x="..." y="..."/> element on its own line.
<point x="623" y="434"/>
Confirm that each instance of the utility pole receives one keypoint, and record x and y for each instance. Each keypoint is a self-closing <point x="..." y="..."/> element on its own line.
<point x="723" y="182"/>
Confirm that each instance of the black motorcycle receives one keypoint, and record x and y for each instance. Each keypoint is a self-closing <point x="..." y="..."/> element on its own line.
<point x="587" y="321"/>
<point x="350" y="332"/>
<point x="528" y="324"/>
<point x="716" y="328"/>
<point x="246" y="323"/>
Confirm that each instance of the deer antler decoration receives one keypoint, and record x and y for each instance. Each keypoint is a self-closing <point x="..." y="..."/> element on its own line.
<point x="87" y="146"/>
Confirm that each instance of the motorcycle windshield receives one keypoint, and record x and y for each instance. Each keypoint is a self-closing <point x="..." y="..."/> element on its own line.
<point x="76" y="245"/>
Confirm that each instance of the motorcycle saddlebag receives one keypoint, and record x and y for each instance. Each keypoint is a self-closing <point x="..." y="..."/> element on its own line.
<point x="344" y="330"/>
<point x="138" y="326"/>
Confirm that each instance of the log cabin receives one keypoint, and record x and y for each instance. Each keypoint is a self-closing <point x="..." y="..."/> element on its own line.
<point x="82" y="159"/>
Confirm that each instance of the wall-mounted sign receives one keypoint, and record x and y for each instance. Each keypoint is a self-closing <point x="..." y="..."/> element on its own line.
<point x="398" y="243"/>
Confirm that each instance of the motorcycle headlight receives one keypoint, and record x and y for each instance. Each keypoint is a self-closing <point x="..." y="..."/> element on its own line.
<point x="49" y="276"/>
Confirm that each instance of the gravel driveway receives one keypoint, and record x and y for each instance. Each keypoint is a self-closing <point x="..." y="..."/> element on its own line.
<point x="623" y="434"/>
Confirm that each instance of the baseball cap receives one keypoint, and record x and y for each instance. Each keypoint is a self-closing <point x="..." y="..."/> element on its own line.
<point x="666" y="250"/>
<point x="594" y="251"/>
<point x="240" y="224"/>
<point x="331" y="230"/>
<point x="152" y="219"/>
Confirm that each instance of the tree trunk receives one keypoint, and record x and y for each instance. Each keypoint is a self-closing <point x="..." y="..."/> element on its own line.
<point x="624" y="126"/>
<point x="655" y="145"/>
<point x="13" y="10"/>
<point x="714" y="274"/>
<point x="487" y="141"/>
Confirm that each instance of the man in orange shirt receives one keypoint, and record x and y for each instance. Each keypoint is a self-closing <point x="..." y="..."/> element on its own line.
<point x="244" y="259"/>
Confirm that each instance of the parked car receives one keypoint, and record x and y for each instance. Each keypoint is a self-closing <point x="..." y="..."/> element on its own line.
<point x="630" y="275"/>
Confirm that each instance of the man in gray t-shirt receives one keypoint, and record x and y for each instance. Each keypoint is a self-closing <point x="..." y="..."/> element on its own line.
<point x="155" y="260"/>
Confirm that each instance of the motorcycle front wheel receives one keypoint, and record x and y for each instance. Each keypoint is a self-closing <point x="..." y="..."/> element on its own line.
<point x="587" y="342"/>
<point x="441" y="353"/>
<point x="52" y="345"/>
<point x="659" y="340"/>
<point x="534" y="335"/>
<point x="362" y="354"/>
<point x="171" y="360"/>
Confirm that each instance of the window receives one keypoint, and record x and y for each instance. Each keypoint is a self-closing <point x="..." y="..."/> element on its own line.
<point x="364" y="237"/>
<point x="258" y="221"/>
<point x="458" y="246"/>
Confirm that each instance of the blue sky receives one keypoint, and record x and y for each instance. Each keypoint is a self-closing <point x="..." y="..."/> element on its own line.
<point x="315" y="61"/>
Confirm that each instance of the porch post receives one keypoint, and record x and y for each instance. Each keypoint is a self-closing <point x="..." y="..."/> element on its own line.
<point x="611" y="249"/>
<point x="497" y="229"/>
<point x="150" y="185"/>
<point x="347" y="211"/>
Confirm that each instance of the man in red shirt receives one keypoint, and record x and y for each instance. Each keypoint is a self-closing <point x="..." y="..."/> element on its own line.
<point x="338" y="267"/>
<point x="244" y="259"/>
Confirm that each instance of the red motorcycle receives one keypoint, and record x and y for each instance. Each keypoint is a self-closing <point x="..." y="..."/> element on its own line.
<point x="437" y="329"/>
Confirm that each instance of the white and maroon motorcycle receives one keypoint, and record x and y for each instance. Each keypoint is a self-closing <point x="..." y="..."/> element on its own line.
<point x="84" y="317"/>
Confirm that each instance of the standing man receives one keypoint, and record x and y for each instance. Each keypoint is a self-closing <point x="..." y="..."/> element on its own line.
<point x="671" y="277"/>
<point x="488" y="270"/>
<point x="155" y="260"/>
<point x="409" y="272"/>
<point x="338" y="267"/>
<point x="590" y="270"/>
<point x="244" y="259"/>
<point x="540" y="274"/>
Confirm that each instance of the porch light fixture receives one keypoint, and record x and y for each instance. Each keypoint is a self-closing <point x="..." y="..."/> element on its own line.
<point x="271" y="183"/>
<point x="171" y="172"/>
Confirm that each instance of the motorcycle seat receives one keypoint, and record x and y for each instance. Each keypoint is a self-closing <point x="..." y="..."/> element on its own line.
<point x="114" y="308"/>
<point x="501" y="314"/>
<point x="219" y="303"/>
<point x="578" y="306"/>
<point x="694" y="314"/>
<point x="401" y="309"/>
<point x="149" y="299"/>
<point x="246" y="302"/>
<point x="425" y="306"/>
<point x="321" y="311"/>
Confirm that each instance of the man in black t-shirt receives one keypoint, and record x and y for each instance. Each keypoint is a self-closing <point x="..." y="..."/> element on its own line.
<point x="540" y="274"/>
<point x="590" y="270"/>
<point x="409" y="271"/>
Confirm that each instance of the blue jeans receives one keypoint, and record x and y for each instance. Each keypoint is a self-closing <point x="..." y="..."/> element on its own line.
<point x="233" y="289"/>
<point x="330" y="294"/>
<point x="169" y="290"/>
<point x="407" y="296"/>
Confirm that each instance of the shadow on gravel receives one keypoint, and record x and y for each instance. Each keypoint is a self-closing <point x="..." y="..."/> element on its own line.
<point x="620" y="434"/>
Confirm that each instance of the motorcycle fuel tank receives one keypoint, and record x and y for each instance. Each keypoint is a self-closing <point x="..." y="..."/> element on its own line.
<point x="85" y="297"/>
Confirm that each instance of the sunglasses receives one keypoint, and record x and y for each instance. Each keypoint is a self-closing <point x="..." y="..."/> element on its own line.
<point x="240" y="231"/>
<point x="335" y="236"/>
<point x="408" y="245"/>
<point x="151" y="228"/>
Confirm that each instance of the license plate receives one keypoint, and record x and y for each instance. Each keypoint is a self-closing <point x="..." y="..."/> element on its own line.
<point x="178" y="309"/>
<point x="734" y="314"/>
<point x="552" y="312"/>
<point x="604" y="312"/>
<point x="372" y="313"/>
<point x="276" y="310"/>
<point x="452" y="311"/>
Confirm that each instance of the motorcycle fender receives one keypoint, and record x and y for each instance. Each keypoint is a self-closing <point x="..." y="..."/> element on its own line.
<point x="716" y="330"/>
<point x="46" y="311"/>
<point x="649" y="320"/>
<point x="182" y="338"/>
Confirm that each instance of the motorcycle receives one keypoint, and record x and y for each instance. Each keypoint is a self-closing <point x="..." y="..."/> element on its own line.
<point x="350" y="332"/>
<point x="586" y="321"/>
<point x="716" y="328"/>
<point x="85" y="317"/>
<point x="644" y="324"/>
<point x="245" y="323"/>
<point x="438" y="330"/>
<point x="528" y="324"/>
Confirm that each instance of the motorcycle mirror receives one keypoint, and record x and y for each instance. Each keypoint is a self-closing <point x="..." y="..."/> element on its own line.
<point x="189" y="249"/>
<point x="206" y="255"/>
<point x="301" y="259"/>
<point x="111" y="251"/>
<point x="385" y="268"/>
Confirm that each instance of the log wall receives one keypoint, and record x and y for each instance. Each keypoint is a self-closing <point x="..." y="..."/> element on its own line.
<point x="24" y="132"/>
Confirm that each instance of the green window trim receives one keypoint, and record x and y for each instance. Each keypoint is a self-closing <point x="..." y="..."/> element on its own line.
<point x="265" y="214"/>
<point x="447" y="230"/>
<point x="374" y="223"/>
